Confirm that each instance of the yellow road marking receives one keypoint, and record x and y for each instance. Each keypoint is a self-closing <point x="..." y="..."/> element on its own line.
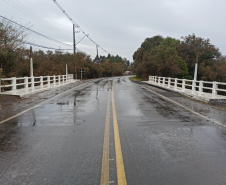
<point x="118" y="150"/>
<point x="105" y="159"/>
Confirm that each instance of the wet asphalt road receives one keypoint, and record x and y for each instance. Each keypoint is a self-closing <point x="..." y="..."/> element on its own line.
<point x="62" y="141"/>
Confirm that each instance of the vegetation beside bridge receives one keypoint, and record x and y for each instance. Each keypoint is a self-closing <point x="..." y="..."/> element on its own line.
<point x="169" y="57"/>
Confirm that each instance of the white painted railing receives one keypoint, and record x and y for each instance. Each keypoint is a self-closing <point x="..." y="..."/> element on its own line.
<point x="27" y="85"/>
<point x="199" y="89"/>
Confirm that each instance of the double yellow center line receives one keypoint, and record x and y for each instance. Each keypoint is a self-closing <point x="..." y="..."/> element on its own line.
<point x="121" y="176"/>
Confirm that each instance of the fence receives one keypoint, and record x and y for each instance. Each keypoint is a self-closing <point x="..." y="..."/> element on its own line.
<point x="28" y="85"/>
<point x="203" y="90"/>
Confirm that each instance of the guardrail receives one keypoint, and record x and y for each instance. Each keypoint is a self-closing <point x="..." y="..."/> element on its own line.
<point x="199" y="89"/>
<point x="27" y="85"/>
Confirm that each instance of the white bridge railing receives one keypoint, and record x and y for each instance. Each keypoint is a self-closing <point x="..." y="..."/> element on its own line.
<point x="27" y="85"/>
<point x="203" y="90"/>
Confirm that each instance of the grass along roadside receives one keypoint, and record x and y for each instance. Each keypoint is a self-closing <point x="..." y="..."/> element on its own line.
<point x="135" y="78"/>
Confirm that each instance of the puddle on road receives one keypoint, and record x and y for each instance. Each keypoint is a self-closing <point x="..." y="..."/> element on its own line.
<point x="63" y="103"/>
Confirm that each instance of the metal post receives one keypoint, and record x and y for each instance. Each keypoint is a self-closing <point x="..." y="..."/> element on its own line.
<point x="66" y="70"/>
<point x="31" y="63"/>
<point x="196" y="69"/>
<point x="81" y="73"/>
<point x="74" y="44"/>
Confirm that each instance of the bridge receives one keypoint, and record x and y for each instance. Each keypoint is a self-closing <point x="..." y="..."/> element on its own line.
<point x="111" y="131"/>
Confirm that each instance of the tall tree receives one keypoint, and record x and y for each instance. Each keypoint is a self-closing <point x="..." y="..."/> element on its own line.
<point x="197" y="50"/>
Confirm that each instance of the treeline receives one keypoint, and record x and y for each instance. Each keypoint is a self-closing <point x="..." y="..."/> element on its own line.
<point x="170" y="57"/>
<point x="15" y="58"/>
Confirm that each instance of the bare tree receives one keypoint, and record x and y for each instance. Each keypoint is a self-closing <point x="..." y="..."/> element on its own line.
<point x="12" y="38"/>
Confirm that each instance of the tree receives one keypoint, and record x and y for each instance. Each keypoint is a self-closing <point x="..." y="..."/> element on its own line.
<point x="11" y="38"/>
<point x="159" y="56"/>
<point x="169" y="62"/>
<point x="197" y="50"/>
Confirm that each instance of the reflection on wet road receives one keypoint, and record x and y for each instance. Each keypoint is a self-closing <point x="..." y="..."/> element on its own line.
<point x="73" y="139"/>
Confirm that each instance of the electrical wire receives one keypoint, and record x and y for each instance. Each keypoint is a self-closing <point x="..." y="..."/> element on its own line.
<point x="23" y="9"/>
<point x="47" y="47"/>
<point x="77" y="26"/>
<point x="41" y="46"/>
<point x="39" y="34"/>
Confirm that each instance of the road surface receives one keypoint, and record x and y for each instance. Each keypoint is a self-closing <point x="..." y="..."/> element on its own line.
<point x="114" y="131"/>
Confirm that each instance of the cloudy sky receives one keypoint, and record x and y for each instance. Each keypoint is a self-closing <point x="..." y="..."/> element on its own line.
<point x="120" y="26"/>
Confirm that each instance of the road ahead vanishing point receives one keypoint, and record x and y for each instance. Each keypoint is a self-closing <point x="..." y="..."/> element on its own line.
<point x="113" y="131"/>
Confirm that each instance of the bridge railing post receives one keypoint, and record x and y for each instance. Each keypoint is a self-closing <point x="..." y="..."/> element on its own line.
<point x="59" y="80"/>
<point x="41" y="82"/>
<point x="175" y="84"/>
<point x="214" y="89"/>
<point x="193" y="86"/>
<point x="54" y="81"/>
<point x="159" y="79"/>
<point x="26" y="83"/>
<point x="48" y="81"/>
<point x="183" y="85"/>
<point x="32" y="83"/>
<point x="169" y="82"/>
<point x="200" y="88"/>
<point x="66" y="79"/>
<point x="163" y="81"/>
<point x="71" y="78"/>
<point x="14" y="83"/>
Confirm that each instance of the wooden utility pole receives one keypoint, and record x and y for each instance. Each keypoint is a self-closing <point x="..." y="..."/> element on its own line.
<point x="74" y="44"/>
<point x="31" y="63"/>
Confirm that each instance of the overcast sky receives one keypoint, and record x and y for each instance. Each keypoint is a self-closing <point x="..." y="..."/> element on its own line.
<point x="120" y="26"/>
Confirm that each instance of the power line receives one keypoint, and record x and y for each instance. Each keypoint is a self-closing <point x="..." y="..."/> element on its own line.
<point x="39" y="34"/>
<point x="41" y="46"/>
<point x="44" y="36"/>
<point x="23" y="9"/>
<point x="47" y="47"/>
<point x="77" y="26"/>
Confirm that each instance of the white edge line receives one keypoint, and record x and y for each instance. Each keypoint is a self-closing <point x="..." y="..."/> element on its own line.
<point x="176" y="103"/>
<point x="16" y="115"/>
